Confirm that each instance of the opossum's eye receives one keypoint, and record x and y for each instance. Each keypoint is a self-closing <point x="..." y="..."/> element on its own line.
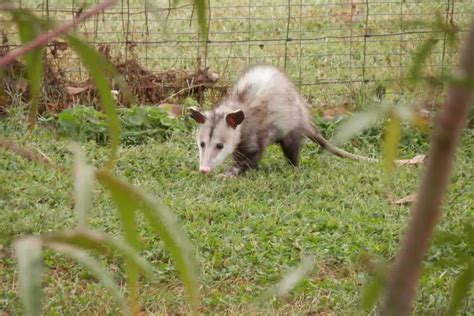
<point x="202" y="144"/>
<point x="220" y="146"/>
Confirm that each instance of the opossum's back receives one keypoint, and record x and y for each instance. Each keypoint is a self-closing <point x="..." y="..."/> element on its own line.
<point x="270" y="99"/>
<point x="259" y="81"/>
<point x="265" y="85"/>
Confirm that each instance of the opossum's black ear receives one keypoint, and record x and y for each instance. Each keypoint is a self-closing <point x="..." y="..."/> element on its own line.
<point x="197" y="116"/>
<point x="234" y="118"/>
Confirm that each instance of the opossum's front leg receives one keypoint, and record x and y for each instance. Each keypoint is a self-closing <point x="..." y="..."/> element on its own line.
<point x="244" y="161"/>
<point x="233" y="172"/>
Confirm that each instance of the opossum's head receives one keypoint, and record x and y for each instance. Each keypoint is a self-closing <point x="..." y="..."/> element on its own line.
<point x="218" y="136"/>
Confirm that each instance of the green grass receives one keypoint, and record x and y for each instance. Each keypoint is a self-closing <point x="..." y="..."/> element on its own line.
<point x="247" y="232"/>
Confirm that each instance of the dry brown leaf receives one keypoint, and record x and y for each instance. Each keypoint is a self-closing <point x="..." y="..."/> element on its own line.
<point x="22" y="85"/>
<point x="418" y="159"/>
<point x="75" y="90"/>
<point x="174" y="110"/>
<point x="407" y="199"/>
<point x="330" y="112"/>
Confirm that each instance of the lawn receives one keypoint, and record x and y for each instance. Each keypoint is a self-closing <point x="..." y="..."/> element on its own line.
<point x="247" y="232"/>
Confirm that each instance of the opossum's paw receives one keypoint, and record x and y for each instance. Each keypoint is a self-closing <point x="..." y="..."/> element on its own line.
<point x="231" y="173"/>
<point x="227" y="175"/>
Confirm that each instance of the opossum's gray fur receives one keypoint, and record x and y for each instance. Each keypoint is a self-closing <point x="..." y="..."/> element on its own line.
<point x="262" y="108"/>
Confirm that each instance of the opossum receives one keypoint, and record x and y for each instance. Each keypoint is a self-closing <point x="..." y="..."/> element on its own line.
<point x="262" y="108"/>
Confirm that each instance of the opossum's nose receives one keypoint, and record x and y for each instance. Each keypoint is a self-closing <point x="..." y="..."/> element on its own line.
<point x="205" y="169"/>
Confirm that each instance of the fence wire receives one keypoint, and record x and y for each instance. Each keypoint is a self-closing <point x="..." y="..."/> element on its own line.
<point x="331" y="49"/>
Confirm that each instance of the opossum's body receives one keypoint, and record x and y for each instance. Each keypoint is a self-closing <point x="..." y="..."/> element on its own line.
<point x="263" y="108"/>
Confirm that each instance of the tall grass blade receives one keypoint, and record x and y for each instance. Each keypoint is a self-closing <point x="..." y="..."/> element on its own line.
<point x="92" y="240"/>
<point x="201" y="7"/>
<point x="165" y="224"/>
<point x="127" y="212"/>
<point x="28" y="30"/>
<point x="94" y="267"/>
<point x="294" y="277"/>
<point x="99" y="67"/>
<point x="83" y="184"/>
<point x="29" y="256"/>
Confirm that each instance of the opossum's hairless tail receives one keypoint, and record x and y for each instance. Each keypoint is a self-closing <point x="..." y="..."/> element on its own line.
<point x="316" y="137"/>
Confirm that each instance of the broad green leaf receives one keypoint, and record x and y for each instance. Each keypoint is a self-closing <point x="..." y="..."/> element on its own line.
<point x="29" y="256"/>
<point x="92" y="240"/>
<point x="165" y="224"/>
<point x="420" y="57"/>
<point x="67" y="115"/>
<point x="374" y="288"/>
<point x="371" y="292"/>
<point x="358" y="123"/>
<point x="83" y="184"/>
<point x="99" y="67"/>
<point x="29" y="29"/>
<point x="94" y="267"/>
<point x="461" y="289"/>
<point x="393" y="135"/>
<point x="450" y="30"/>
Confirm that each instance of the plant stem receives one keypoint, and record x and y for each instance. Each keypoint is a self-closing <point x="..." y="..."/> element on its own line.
<point x="401" y="286"/>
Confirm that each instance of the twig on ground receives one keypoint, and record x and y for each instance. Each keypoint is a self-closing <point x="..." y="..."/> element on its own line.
<point x="182" y="90"/>
<point x="31" y="155"/>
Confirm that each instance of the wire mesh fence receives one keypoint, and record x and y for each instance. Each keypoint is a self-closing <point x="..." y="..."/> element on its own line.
<point x="331" y="49"/>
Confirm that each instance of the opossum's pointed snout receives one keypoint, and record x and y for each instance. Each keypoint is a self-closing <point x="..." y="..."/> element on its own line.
<point x="205" y="169"/>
